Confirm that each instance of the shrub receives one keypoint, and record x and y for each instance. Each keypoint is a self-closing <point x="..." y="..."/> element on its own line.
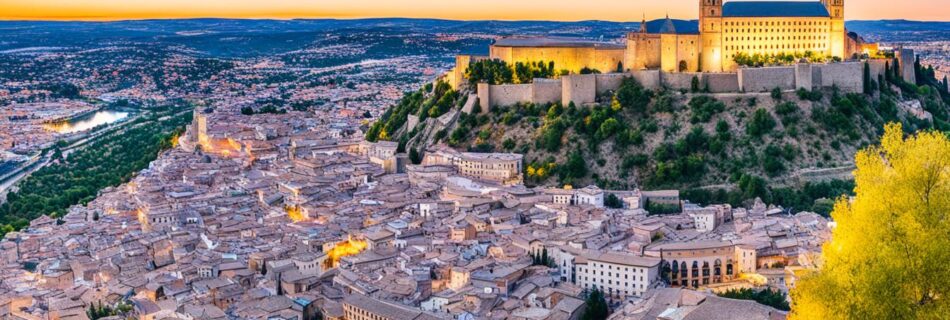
<point x="634" y="160"/>
<point x="611" y="201"/>
<point x="704" y="108"/>
<point x="761" y="123"/>
<point x="632" y="96"/>
<point x="508" y="144"/>
<point x="777" y="94"/>
<point x="805" y="94"/>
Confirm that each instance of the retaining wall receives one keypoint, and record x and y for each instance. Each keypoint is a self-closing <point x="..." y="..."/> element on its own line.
<point x="765" y="79"/>
<point x="722" y="82"/>
<point x="509" y="94"/>
<point x="847" y="76"/>
<point x="649" y="79"/>
<point x="609" y="81"/>
<point x="580" y="89"/>
<point x="545" y="91"/>
<point x="877" y="67"/>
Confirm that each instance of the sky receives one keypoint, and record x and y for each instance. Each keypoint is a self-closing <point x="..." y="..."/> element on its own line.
<point x="562" y="10"/>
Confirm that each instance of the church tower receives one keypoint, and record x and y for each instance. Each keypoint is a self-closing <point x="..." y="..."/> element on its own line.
<point x="710" y="30"/>
<point x="837" y="32"/>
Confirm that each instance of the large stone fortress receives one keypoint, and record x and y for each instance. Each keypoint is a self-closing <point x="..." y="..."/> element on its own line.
<point x="802" y="45"/>
<point x="768" y="28"/>
<point x="707" y="45"/>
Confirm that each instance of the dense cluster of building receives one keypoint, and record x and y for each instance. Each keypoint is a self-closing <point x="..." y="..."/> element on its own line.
<point x="284" y="216"/>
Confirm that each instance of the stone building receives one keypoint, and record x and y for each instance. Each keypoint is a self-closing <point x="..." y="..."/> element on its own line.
<point x="740" y="27"/>
<point x="723" y="31"/>
<point x="617" y="275"/>
<point x="700" y="263"/>
<point x="568" y="54"/>
<point x="504" y="168"/>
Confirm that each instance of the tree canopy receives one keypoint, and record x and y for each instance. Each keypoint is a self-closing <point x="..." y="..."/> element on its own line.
<point x="888" y="257"/>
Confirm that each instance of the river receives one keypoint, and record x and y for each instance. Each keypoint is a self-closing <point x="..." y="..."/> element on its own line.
<point x="89" y="121"/>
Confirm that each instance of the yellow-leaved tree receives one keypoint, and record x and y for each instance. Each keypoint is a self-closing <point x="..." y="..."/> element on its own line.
<point x="889" y="257"/>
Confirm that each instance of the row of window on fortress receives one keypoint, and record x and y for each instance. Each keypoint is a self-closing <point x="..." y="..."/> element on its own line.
<point x="775" y="23"/>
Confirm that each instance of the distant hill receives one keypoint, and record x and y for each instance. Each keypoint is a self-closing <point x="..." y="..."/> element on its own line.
<point x="877" y="26"/>
<point x="249" y="38"/>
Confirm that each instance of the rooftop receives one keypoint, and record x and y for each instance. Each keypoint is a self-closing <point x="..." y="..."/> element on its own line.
<point x="774" y="9"/>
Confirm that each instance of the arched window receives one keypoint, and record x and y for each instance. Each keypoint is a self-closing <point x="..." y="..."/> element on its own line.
<point x="717" y="268"/>
<point x="695" y="269"/>
<point x="705" y="269"/>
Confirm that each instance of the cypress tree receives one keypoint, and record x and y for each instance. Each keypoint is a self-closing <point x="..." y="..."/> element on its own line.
<point x="544" y="256"/>
<point x="896" y="70"/>
<point x="867" y="78"/>
<point x="918" y="71"/>
<point x="882" y="85"/>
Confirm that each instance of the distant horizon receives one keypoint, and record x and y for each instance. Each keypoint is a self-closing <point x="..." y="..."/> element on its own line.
<point x="402" y="18"/>
<point x="487" y="10"/>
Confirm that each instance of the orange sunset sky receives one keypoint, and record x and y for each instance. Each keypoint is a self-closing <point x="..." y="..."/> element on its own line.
<point x="567" y="10"/>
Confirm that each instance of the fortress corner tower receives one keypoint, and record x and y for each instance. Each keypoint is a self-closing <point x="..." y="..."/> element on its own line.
<point x="836" y="30"/>
<point x="710" y="29"/>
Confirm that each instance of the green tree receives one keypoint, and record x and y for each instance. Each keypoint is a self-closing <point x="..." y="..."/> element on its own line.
<point x="597" y="308"/>
<point x="414" y="156"/>
<point x="612" y="201"/>
<point x="769" y="297"/>
<point x="575" y="168"/>
<point x="633" y="96"/>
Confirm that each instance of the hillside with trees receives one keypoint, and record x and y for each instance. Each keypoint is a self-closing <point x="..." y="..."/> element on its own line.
<point x="789" y="148"/>
<point x="109" y="160"/>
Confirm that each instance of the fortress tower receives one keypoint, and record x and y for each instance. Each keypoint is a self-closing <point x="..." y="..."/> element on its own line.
<point x="837" y="32"/>
<point x="710" y="29"/>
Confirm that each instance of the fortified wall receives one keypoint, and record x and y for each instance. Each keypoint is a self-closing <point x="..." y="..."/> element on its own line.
<point x="583" y="89"/>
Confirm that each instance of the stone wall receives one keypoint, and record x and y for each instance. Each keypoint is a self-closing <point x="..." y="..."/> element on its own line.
<point x="584" y="88"/>
<point x="765" y="79"/>
<point x="470" y="103"/>
<point x="570" y="58"/>
<point x="679" y="81"/>
<point x="649" y="79"/>
<point x="546" y="91"/>
<point x="804" y="76"/>
<point x="721" y="82"/>
<point x="877" y="67"/>
<point x="847" y="76"/>
<point x="580" y="89"/>
<point x="484" y="96"/>
<point x="509" y="94"/>
<point x="608" y="81"/>
<point x="907" y="58"/>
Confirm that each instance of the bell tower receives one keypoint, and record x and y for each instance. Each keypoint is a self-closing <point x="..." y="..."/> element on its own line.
<point x="710" y="32"/>
<point x="836" y="35"/>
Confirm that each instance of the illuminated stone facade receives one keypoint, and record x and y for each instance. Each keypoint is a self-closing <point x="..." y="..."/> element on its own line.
<point x="567" y="54"/>
<point x="504" y="168"/>
<point x="697" y="264"/>
<point x="709" y="45"/>
<point x="750" y="27"/>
